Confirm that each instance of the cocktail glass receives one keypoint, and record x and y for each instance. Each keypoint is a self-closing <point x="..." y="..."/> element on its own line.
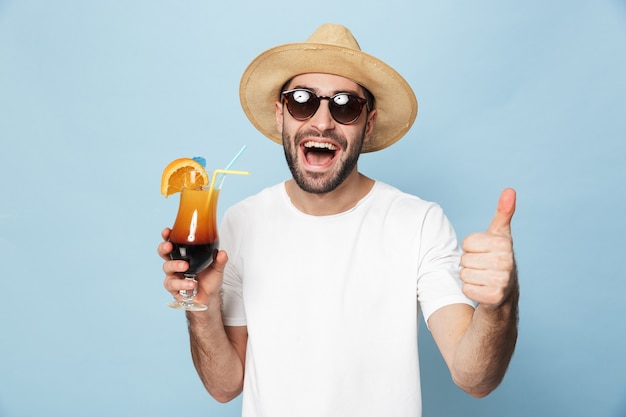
<point x="194" y="236"/>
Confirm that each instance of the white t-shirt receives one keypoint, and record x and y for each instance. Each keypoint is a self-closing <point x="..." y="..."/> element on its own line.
<point x="331" y="303"/>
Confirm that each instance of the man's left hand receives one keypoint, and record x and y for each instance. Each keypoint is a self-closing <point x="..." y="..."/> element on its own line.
<point x="488" y="265"/>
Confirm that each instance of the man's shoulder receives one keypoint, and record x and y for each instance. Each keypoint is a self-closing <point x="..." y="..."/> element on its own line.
<point x="263" y="199"/>
<point x="393" y="195"/>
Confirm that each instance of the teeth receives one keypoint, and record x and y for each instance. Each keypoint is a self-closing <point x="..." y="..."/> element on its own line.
<point x="321" y="145"/>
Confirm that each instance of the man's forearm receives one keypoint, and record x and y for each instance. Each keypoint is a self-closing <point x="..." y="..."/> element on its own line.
<point x="216" y="360"/>
<point x="485" y="351"/>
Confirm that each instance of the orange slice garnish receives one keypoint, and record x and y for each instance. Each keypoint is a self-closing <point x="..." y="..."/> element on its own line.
<point x="183" y="173"/>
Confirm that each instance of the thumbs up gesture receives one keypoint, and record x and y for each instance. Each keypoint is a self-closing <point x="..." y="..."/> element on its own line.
<point x="488" y="270"/>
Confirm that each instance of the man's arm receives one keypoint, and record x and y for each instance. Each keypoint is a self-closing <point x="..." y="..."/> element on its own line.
<point x="218" y="355"/>
<point x="218" y="352"/>
<point x="477" y="345"/>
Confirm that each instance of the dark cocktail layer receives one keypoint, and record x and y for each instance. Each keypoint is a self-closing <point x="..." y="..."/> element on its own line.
<point x="198" y="256"/>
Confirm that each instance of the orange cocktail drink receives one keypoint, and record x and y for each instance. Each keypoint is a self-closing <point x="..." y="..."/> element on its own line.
<point x="194" y="236"/>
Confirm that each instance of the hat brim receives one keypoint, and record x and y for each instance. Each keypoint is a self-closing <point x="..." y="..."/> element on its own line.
<point x="261" y="82"/>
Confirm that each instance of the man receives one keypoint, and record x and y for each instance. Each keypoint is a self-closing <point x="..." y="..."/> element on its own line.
<point x="314" y="298"/>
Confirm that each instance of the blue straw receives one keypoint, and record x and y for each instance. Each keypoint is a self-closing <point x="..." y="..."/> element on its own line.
<point x="243" y="148"/>
<point x="230" y="164"/>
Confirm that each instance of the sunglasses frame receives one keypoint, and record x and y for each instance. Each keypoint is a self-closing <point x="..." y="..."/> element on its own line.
<point x="332" y="106"/>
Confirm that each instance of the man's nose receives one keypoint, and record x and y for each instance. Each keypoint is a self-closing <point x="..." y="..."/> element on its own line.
<point x="322" y="120"/>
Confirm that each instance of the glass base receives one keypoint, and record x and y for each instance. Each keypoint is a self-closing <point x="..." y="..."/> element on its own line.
<point x="183" y="305"/>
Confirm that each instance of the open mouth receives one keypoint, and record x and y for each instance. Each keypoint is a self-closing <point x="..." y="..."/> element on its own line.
<point x="319" y="153"/>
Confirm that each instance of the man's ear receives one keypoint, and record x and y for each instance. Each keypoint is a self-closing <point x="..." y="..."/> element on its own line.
<point x="279" y="117"/>
<point x="369" y="125"/>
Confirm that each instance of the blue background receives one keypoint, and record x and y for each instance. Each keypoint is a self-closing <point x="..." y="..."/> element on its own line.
<point x="96" y="97"/>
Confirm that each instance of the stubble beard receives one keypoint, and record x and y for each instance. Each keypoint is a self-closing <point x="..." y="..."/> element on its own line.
<point x="321" y="182"/>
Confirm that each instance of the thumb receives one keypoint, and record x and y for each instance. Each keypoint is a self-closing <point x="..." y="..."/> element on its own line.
<point x="219" y="261"/>
<point x="501" y="223"/>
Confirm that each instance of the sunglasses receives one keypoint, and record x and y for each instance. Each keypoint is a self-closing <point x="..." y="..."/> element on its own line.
<point x="302" y="104"/>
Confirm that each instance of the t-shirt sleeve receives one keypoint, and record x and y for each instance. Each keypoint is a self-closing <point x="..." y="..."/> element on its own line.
<point x="438" y="282"/>
<point x="233" y="311"/>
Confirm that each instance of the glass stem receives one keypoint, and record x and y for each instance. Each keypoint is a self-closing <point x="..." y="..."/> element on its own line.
<point x="189" y="294"/>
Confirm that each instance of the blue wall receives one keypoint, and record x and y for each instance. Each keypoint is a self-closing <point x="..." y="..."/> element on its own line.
<point x="97" y="97"/>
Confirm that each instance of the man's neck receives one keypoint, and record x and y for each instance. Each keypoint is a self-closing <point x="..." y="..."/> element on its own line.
<point x="341" y="199"/>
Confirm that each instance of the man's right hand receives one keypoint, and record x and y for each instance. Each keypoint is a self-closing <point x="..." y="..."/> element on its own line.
<point x="209" y="280"/>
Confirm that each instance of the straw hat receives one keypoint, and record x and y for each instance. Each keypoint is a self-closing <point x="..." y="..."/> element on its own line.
<point x="331" y="50"/>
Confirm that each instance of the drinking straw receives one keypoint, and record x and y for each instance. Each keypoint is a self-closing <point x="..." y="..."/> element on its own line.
<point x="226" y="170"/>
<point x="243" y="148"/>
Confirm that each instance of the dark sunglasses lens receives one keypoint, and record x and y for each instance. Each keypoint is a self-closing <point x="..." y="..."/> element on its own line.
<point x="345" y="108"/>
<point x="302" y="104"/>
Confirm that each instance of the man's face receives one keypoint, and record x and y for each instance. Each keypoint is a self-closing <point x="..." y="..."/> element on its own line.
<point x="322" y="153"/>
